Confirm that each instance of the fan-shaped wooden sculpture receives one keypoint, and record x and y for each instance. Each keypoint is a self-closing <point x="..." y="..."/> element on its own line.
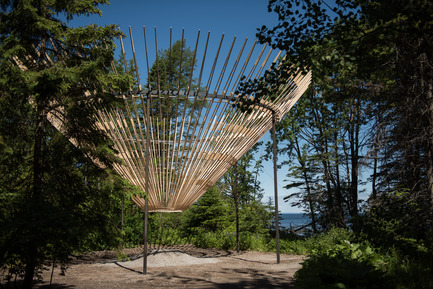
<point x="183" y="139"/>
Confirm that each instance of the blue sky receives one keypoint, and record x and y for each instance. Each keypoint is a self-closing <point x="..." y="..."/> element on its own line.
<point x="236" y="17"/>
<point x="239" y="18"/>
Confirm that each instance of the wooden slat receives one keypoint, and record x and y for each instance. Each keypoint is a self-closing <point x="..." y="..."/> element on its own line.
<point x="175" y="159"/>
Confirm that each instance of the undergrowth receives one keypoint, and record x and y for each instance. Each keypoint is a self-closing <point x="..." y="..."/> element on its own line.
<point x="335" y="259"/>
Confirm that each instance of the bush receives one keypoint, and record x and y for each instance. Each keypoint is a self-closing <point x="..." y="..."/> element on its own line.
<point x="345" y="266"/>
<point x="165" y="237"/>
<point x="292" y="244"/>
<point x="226" y="240"/>
<point x="336" y="261"/>
<point x="203" y="238"/>
<point x="414" y="273"/>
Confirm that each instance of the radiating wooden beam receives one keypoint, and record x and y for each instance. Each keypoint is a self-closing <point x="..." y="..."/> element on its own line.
<point x="176" y="158"/>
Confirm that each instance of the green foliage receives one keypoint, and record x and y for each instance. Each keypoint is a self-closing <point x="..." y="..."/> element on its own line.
<point x="338" y="263"/>
<point x="395" y="221"/>
<point x="395" y="225"/>
<point x="346" y="265"/>
<point x="164" y="229"/>
<point x="254" y="218"/>
<point x="53" y="198"/>
<point x="342" y="259"/>
<point x="209" y="212"/>
<point x="173" y="68"/>
<point x="226" y="240"/>
<point x="411" y="273"/>
<point x="123" y="75"/>
<point x="304" y="245"/>
<point x="74" y="210"/>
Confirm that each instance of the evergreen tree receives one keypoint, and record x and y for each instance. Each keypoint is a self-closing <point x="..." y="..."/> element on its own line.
<point x="173" y="68"/>
<point x="320" y="137"/>
<point x="254" y="216"/>
<point x="375" y="58"/>
<point x="53" y="195"/>
<point x="209" y="212"/>
<point x="171" y="72"/>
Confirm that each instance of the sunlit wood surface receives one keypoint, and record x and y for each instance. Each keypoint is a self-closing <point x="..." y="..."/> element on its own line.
<point x="176" y="143"/>
<point x="194" y="136"/>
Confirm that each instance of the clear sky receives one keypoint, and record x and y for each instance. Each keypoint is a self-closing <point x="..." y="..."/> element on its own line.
<point x="239" y="18"/>
<point x="236" y="17"/>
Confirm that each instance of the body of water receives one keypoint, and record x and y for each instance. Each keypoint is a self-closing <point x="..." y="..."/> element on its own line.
<point x="293" y="220"/>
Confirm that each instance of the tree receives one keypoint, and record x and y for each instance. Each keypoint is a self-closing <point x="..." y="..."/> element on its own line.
<point x="173" y="68"/>
<point x="209" y="212"/>
<point x="172" y="71"/>
<point x="215" y="210"/>
<point x="50" y="70"/>
<point x="322" y="139"/>
<point x="313" y="41"/>
<point x="254" y="216"/>
<point x="370" y="53"/>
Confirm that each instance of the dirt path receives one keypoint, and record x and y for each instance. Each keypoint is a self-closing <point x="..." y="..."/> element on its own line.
<point x="185" y="267"/>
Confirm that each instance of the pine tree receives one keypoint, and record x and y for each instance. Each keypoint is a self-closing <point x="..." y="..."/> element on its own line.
<point x="371" y="53"/>
<point x="254" y="216"/>
<point x="209" y="212"/>
<point x="49" y="70"/>
<point x="173" y="68"/>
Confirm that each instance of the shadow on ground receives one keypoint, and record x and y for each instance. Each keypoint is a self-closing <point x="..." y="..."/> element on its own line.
<point x="236" y="270"/>
<point x="247" y="278"/>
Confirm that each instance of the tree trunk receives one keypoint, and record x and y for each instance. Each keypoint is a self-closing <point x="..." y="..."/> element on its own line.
<point x="307" y="186"/>
<point x="321" y="149"/>
<point x="29" y="273"/>
<point x="354" y="153"/>
<point x="376" y="148"/>
<point x="122" y="222"/>
<point x="338" y="193"/>
<point x="35" y="199"/>
<point x="330" y="201"/>
<point x="430" y="140"/>
<point x="374" y="176"/>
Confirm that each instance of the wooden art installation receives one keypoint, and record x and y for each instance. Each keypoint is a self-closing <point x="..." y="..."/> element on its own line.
<point x="181" y="140"/>
<point x="175" y="140"/>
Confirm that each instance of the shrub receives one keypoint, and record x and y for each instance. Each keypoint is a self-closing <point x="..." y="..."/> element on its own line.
<point x="414" y="273"/>
<point x="226" y="240"/>
<point x="345" y="266"/>
<point x="291" y="244"/>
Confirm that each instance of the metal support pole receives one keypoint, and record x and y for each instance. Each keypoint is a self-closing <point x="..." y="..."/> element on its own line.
<point x="122" y="222"/>
<point x="146" y="202"/>
<point x="145" y="237"/>
<point x="277" y="226"/>
<point x="236" y="205"/>
<point x="147" y="154"/>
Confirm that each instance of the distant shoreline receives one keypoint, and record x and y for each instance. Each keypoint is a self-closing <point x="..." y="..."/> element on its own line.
<point x="290" y="220"/>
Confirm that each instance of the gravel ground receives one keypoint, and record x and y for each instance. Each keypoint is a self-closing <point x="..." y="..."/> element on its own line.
<point x="164" y="258"/>
<point x="178" y="267"/>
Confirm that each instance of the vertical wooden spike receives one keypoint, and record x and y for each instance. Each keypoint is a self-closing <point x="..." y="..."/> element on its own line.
<point x="123" y="54"/>
<point x="208" y="85"/>
<point x="202" y="64"/>
<point x="147" y="58"/>
<point x="137" y="75"/>
<point x="181" y="59"/>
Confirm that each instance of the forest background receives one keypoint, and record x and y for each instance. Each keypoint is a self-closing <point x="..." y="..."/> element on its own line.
<point x="370" y="109"/>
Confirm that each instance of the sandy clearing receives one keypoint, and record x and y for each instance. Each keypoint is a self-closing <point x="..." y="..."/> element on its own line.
<point x="191" y="268"/>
